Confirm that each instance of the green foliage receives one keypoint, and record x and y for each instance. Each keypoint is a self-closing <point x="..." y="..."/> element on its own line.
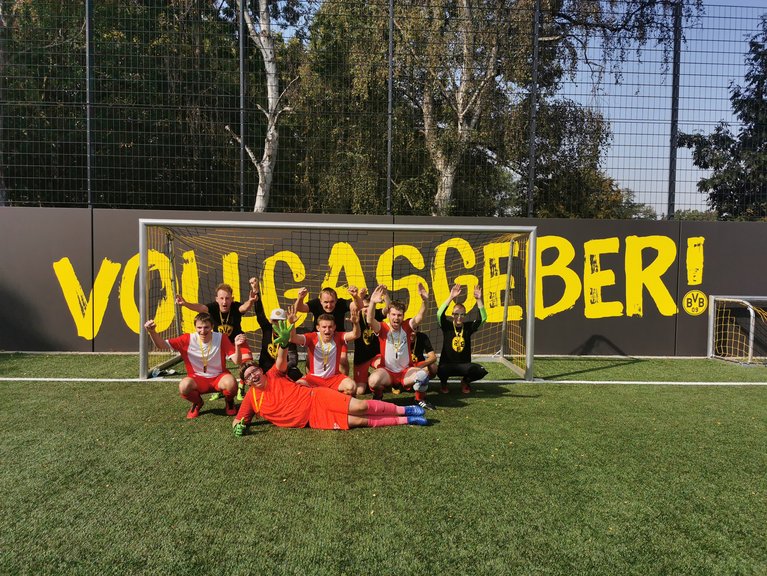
<point x="737" y="183"/>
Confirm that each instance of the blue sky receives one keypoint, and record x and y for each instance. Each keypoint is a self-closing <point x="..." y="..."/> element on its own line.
<point x="639" y="109"/>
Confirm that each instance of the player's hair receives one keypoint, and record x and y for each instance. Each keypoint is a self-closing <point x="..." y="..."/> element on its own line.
<point x="325" y="316"/>
<point x="462" y="306"/>
<point x="224" y="286"/>
<point x="244" y="367"/>
<point x="330" y="291"/>
<point x="203" y="317"/>
<point x="398" y="305"/>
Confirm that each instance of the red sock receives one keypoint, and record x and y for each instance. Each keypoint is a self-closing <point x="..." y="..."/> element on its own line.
<point x="420" y="395"/>
<point x="193" y="396"/>
<point x="380" y="408"/>
<point x="376" y="421"/>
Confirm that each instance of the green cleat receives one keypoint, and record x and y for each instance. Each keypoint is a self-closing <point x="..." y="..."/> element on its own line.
<point x="216" y="396"/>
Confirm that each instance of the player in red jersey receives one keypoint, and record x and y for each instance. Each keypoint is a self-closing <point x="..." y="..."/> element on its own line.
<point x="288" y="404"/>
<point x="395" y="340"/>
<point x="326" y="351"/>
<point x="204" y="353"/>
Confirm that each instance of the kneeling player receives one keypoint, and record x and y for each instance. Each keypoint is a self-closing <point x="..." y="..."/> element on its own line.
<point x="395" y="342"/>
<point x="326" y="351"/>
<point x="204" y="353"/>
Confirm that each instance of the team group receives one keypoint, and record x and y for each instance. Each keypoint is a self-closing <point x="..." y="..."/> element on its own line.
<point x="390" y="353"/>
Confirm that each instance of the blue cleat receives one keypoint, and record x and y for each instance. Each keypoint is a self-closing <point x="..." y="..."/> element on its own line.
<point x="417" y="420"/>
<point x="414" y="410"/>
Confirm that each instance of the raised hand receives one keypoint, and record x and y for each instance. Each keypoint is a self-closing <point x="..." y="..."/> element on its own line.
<point x="455" y="291"/>
<point x="282" y="329"/>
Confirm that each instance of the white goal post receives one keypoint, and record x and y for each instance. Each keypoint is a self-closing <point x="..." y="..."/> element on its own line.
<point x="191" y="257"/>
<point x="737" y="328"/>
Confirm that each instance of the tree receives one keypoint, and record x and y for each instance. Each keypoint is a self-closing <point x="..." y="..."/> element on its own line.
<point x="465" y="63"/>
<point x="259" y="24"/>
<point x="737" y="184"/>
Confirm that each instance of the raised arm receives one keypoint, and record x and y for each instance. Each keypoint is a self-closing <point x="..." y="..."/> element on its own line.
<point x="376" y="297"/>
<point x="199" y="308"/>
<point x="356" y="297"/>
<point x="300" y="305"/>
<point x="418" y="318"/>
<point x="158" y="340"/>
<point x="239" y="340"/>
<point x="299" y="339"/>
<point x="480" y="305"/>
<point x="252" y="297"/>
<point x="283" y="330"/>
<point x="354" y="316"/>
<point x="455" y="292"/>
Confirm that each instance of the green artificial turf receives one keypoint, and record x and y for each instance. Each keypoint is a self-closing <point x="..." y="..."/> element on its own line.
<point x="523" y="478"/>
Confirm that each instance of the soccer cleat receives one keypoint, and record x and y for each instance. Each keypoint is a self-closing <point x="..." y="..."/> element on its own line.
<point x="444" y="389"/>
<point x="417" y="420"/>
<point x="239" y="428"/>
<point x="231" y="409"/>
<point x="465" y="388"/>
<point x="396" y="389"/>
<point x="425" y="405"/>
<point x="194" y="411"/>
<point x="216" y="396"/>
<point x="414" y="411"/>
<point x="240" y="393"/>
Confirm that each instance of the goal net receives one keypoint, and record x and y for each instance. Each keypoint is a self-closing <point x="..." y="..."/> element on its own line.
<point x="191" y="257"/>
<point x="737" y="328"/>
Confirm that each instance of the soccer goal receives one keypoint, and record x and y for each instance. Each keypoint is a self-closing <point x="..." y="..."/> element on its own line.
<point x="191" y="257"/>
<point x="737" y="328"/>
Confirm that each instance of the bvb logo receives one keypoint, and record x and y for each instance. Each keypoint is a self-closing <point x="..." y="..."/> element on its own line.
<point x="458" y="343"/>
<point x="272" y="349"/>
<point x="225" y="329"/>
<point x="695" y="303"/>
<point x="367" y="335"/>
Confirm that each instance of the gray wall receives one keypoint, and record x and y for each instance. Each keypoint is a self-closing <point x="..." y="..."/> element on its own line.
<point x="46" y="253"/>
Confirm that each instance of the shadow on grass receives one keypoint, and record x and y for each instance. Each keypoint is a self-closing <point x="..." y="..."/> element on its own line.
<point x="603" y="364"/>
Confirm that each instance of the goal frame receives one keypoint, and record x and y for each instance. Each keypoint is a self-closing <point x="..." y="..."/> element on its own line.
<point x="747" y="302"/>
<point x="530" y="271"/>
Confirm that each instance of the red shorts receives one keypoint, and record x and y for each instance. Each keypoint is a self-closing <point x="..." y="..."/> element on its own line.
<point x="329" y="409"/>
<point x="396" y="377"/>
<point x="332" y="382"/>
<point x="205" y="385"/>
<point x="361" y="371"/>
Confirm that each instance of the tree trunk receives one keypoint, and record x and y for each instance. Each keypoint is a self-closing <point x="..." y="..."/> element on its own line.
<point x="261" y="34"/>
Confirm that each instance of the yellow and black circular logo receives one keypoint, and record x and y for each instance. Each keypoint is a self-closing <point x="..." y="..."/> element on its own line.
<point x="695" y="303"/>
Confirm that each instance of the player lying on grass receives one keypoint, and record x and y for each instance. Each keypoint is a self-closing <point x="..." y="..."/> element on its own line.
<point x="279" y="400"/>
<point x="326" y="350"/>
<point x="204" y="353"/>
<point x="395" y="342"/>
<point x="455" y="359"/>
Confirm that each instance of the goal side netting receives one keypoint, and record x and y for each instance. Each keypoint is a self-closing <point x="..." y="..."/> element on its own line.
<point x="737" y="328"/>
<point x="191" y="257"/>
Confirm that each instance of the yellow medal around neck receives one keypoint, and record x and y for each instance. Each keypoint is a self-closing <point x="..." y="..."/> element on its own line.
<point x="458" y="341"/>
